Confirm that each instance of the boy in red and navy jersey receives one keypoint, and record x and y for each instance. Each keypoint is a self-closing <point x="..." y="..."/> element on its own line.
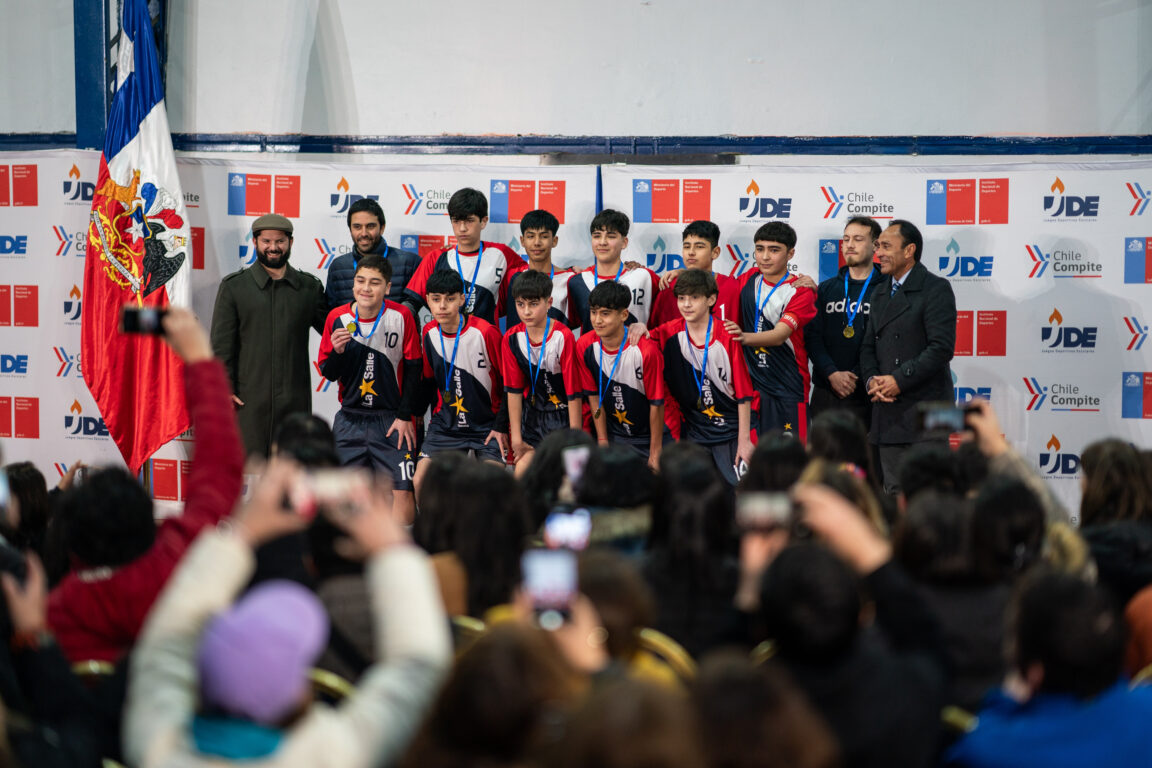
<point x="609" y="231"/>
<point x="372" y="349"/>
<point x="623" y="380"/>
<point x="538" y="237"/>
<point x="700" y="248"/>
<point x="462" y="362"/>
<point x="484" y="267"/>
<point x="540" y="374"/>
<point x="773" y="311"/>
<point x="705" y="371"/>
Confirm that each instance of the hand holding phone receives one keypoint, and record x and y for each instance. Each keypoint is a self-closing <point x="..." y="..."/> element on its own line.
<point x="552" y="583"/>
<point x="143" y="320"/>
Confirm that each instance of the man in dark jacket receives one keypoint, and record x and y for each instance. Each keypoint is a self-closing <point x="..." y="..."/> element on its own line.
<point x="366" y="225"/>
<point x="260" y="332"/>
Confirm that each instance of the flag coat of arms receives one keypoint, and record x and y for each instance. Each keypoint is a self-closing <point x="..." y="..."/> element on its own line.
<point x="138" y="254"/>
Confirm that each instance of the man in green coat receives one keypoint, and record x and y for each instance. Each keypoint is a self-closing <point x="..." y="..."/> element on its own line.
<point x="260" y="332"/>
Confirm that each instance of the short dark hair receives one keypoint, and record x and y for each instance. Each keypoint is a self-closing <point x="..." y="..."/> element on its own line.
<point x="467" y="202"/>
<point x="611" y="221"/>
<point x="1008" y="526"/>
<point x="376" y="262"/>
<point x="866" y="221"/>
<point x="930" y="466"/>
<point x="369" y="205"/>
<point x="776" y="232"/>
<point x="703" y="229"/>
<point x="909" y="234"/>
<point x="108" y="519"/>
<point x="307" y="439"/>
<point x="609" y="294"/>
<point x="810" y="600"/>
<point x="696" y="282"/>
<point x="444" y="281"/>
<point x="539" y="219"/>
<point x="531" y="284"/>
<point x="1072" y="628"/>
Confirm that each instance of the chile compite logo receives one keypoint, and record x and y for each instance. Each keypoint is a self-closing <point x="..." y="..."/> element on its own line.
<point x="1059" y="205"/>
<point x="1058" y="464"/>
<point x="327" y="252"/>
<point x="1065" y="263"/>
<point x="755" y="207"/>
<point x="855" y="204"/>
<point x="69" y="241"/>
<point x="1139" y="333"/>
<point x="964" y="266"/>
<point x="1060" y="337"/>
<point x="1061" y="398"/>
<point x="1140" y="196"/>
<point x="67" y="362"/>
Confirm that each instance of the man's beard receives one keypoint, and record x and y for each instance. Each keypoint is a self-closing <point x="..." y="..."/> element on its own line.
<point x="371" y="247"/>
<point x="275" y="262"/>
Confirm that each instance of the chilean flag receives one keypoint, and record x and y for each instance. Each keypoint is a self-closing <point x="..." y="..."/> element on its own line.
<point x="138" y="254"/>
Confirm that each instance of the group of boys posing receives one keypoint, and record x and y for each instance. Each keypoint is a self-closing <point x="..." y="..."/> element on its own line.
<point x="601" y="347"/>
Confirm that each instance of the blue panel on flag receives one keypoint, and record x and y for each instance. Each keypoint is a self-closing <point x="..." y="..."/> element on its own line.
<point x="1132" y="395"/>
<point x="642" y="200"/>
<point x="829" y="259"/>
<point x="1135" y="259"/>
<point x="498" y="201"/>
<point x="937" y="209"/>
<point x="237" y="187"/>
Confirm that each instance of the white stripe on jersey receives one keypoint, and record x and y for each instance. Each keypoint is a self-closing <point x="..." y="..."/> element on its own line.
<point x="560" y="292"/>
<point x="630" y="371"/>
<point x="493" y="265"/>
<point x="388" y="338"/>
<point x="553" y="350"/>
<point x="774" y="308"/>
<point x="719" y="365"/>
<point x="639" y="283"/>
<point x="471" y="356"/>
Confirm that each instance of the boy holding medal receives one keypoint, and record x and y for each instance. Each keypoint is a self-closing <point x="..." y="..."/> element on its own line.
<point x="773" y="306"/>
<point x="705" y="371"/>
<point x="623" y="379"/>
<point x="540" y="375"/>
<point x="373" y="351"/>
<point x="462" y="362"/>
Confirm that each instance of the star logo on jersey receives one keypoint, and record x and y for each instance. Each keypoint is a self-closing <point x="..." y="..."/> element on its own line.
<point x="711" y="413"/>
<point x="367" y="387"/>
<point x="408" y="456"/>
<point x="458" y="405"/>
<point x="622" y="417"/>
<point x="554" y="400"/>
<point x="787" y="427"/>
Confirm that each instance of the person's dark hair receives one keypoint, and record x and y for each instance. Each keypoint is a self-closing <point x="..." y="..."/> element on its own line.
<point x="838" y="436"/>
<point x="1070" y="627"/>
<point x="776" y="232"/>
<point x="695" y="282"/>
<point x="610" y="294"/>
<point x="502" y="702"/>
<point x="622" y="598"/>
<point x="910" y="235"/>
<point x="531" y="284"/>
<point x="810" y="602"/>
<point x="28" y="487"/>
<point x="107" y="520"/>
<point x="692" y="519"/>
<point x="376" y="262"/>
<point x="933" y="539"/>
<point x="776" y="464"/>
<point x="369" y="205"/>
<point x="755" y="717"/>
<point x="703" y="229"/>
<point x="931" y="466"/>
<point x="849" y="484"/>
<point x="617" y="476"/>
<point x="444" y="281"/>
<point x="467" y="202"/>
<point x="866" y="221"/>
<point x="542" y="480"/>
<point x="307" y="439"/>
<point x="1116" y="485"/>
<point x="435" y="526"/>
<point x="1008" y="526"/>
<point x="327" y="562"/>
<point x="539" y="219"/>
<point x="610" y="221"/>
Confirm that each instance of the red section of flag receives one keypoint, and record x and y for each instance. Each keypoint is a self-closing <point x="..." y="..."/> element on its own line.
<point x="521" y="199"/>
<point x="257" y="194"/>
<point x="991" y="333"/>
<point x="961" y="201"/>
<point x="993" y="201"/>
<point x="197" y="247"/>
<point x="26" y="417"/>
<point x="287" y="197"/>
<point x="964" y="334"/>
<point x="552" y="198"/>
<point x="164" y="479"/>
<point x="665" y="201"/>
<point x="25" y="306"/>
<point x="697" y="199"/>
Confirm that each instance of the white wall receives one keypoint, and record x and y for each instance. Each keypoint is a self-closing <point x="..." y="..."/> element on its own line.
<point x="620" y="67"/>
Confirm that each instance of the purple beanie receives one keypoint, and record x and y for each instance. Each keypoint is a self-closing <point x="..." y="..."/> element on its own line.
<point x="254" y="658"/>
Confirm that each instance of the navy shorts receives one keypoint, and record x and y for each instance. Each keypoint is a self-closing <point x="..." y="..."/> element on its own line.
<point x="436" y="440"/>
<point x="642" y="445"/>
<point x="536" y="425"/>
<point x="724" y="454"/>
<point x="361" y="442"/>
<point x="776" y="414"/>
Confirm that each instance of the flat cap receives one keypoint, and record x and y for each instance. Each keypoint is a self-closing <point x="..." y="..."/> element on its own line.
<point x="272" y="221"/>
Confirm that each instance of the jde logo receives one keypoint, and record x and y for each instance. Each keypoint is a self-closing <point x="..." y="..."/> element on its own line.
<point x="1140" y="196"/>
<point x="341" y="199"/>
<point x="14" y="364"/>
<point x="69" y="242"/>
<point x="75" y="190"/>
<point x="16" y="245"/>
<point x="1056" y="464"/>
<point x="69" y="364"/>
<point x="1057" y="336"/>
<point x="78" y="425"/>
<point x="964" y="266"/>
<point x="755" y="207"/>
<point x="72" y="306"/>
<point x="1061" y="206"/>
<point x="1139" y="333"/>
<point x="963" y="395"/>
<point x="659" y="260"/>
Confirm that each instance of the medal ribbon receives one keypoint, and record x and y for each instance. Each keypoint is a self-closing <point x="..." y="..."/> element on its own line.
<point x="602" y="385"/>
<point x="596" y="274"/>
<point x="533" y="374"/>
<point x="471" y="286"/>
<point x="704" y="364"/>
<point x="848" y="301"/>
<point x="451" y="364"/>
<point x="356" y="261"/>
<point x="761" y="305"/>
<point x="356" y="314"/>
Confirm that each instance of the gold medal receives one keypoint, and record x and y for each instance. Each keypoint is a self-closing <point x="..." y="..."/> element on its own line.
<point x="352" y="328"/>
<point x="699" y="404"/>
<point x="849" y="331"/>
<point x="532" y="401"/>
<point x="599" y="412"/>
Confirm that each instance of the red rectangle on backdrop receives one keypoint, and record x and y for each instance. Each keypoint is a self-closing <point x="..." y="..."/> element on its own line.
<point x="257" y="194"/>
<point x="165" y="478"/>
<point x="665" y="201"/>
<point x="26" y="417"/>
<point x="552" y="198"/>
<point x="991" y="333"/>
<point x="426" y="243"/>
<point x="963" y="334"/>
<point x="287" y="196"/>
<point x="993" y="201"/>
<point x="185" y="469"/>
<point x="1148" y="395"/>
<point x="197" y="247"/>
<point x="697" y="199"/>
<point x="961" y="201"/>
<point x="25" y="306"/>
<point x="5" y="305"/>
<point x="24" y="189"/>
<point x="5" y="185"/>
<point x="521" y="199"/>
<point x="5" y="417"/>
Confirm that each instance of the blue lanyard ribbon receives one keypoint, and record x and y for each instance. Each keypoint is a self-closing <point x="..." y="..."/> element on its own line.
<point x="596" y="273"/>
<point x="533" y="374"/>
<point x="704" y="363"/>
<point x="356" y="261"/>
<point x="471" y="287"/>
<point x="451" y="364"/>
<point x="761" y="305"/>
<point x="848" y="301"/>
<point x="602" y="385"/>
<point x="356" y="315"/>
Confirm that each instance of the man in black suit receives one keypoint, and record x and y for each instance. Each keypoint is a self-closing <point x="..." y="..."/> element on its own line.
<point x="910" y="339"/>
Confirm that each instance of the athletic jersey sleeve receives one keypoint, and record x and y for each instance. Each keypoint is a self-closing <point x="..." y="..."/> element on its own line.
<point x="412" y="347"/>
<point x="417" y="286"/>
<point x="653" y="371"/>
<point x="514" y="379"/>
<point x="800" y="310"/>
<point x="512" y="264"/>
<point x="570" y="365"/>
<point x="584" y="370"/>
<point x="741" y="379"/>
<point x="429" y="373"/>
<point x="330" y="362"/>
